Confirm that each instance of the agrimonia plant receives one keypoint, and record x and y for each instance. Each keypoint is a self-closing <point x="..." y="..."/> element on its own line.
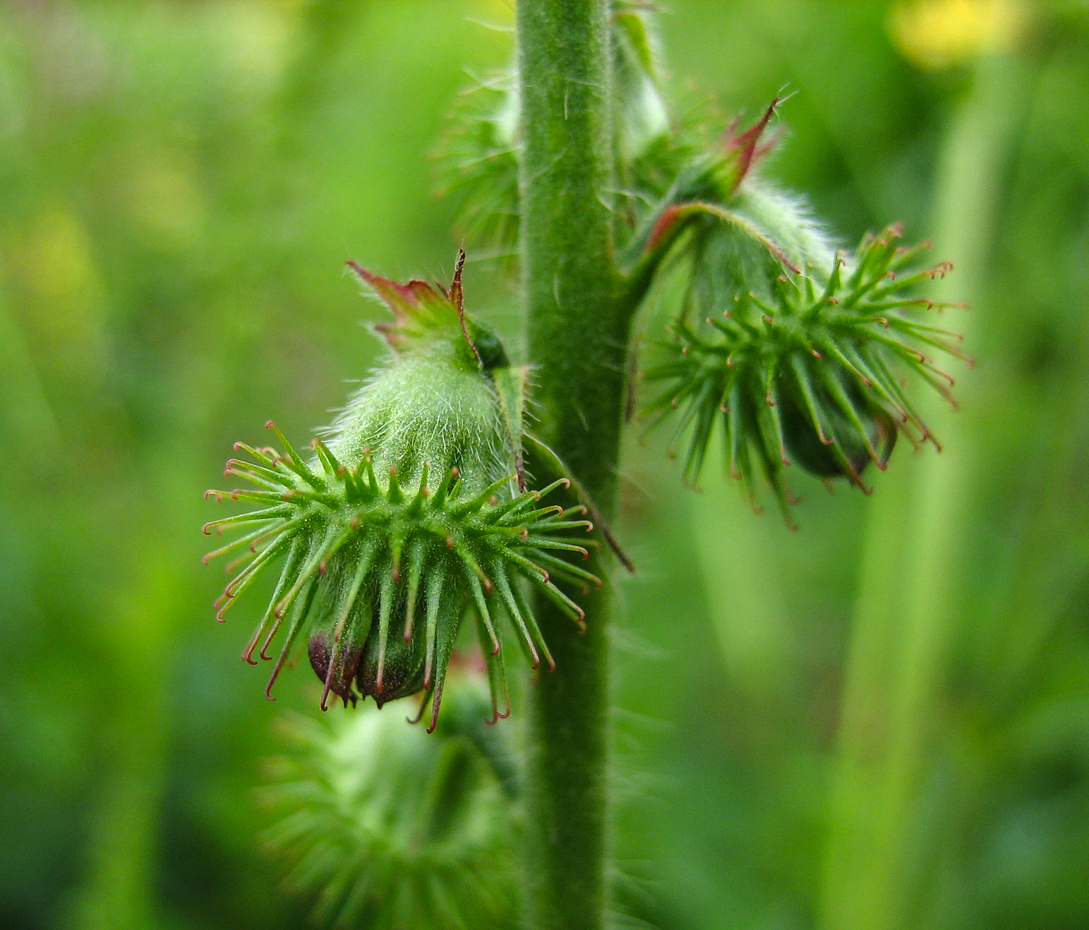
<point x="429" y="501"/>
<point x="379" y="572"/>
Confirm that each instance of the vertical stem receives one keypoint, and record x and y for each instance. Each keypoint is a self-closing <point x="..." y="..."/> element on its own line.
<point x="576" y="335"/>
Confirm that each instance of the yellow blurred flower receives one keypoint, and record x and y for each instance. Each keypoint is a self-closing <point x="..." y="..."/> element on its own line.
<point x="936" y="34"/>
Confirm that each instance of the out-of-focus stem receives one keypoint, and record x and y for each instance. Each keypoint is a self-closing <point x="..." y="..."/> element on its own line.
<point x="909" y="591"/>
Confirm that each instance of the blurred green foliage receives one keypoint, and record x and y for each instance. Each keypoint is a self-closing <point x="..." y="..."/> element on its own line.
<point x="843" y="727"/>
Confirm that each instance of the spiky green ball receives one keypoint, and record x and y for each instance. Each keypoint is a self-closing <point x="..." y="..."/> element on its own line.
<point x="807" y="371"/>
<point x="410" y="513"/>
<point x="386" y="828"/>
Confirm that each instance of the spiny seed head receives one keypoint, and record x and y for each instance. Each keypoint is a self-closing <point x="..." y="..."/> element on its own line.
<point x="411" y="512"/>
<point x="359" y="846"/>
<point x="805" y="370"/>
<point x="793" y="347"/>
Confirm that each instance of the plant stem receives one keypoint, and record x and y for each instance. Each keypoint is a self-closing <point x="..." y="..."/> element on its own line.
<point x="577" y="338"/>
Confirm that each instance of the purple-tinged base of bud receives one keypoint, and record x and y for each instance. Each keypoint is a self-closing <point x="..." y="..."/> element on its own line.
<point x="336" y="670"/>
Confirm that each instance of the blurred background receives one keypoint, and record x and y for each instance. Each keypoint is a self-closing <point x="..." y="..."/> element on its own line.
<point x="880" y="721"/>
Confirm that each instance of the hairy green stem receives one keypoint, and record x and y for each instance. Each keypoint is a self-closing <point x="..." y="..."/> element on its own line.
<point x="576" y="337"/>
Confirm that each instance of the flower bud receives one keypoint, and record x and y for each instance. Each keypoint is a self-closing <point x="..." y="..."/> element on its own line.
<point x="365" y="812"/>
<point x="412" y="511"/>
<point x="802" y="370"/>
